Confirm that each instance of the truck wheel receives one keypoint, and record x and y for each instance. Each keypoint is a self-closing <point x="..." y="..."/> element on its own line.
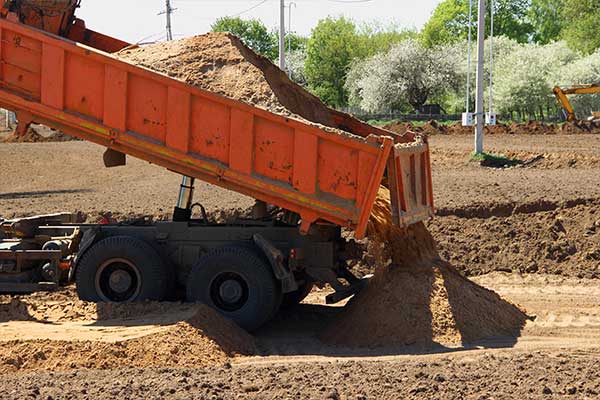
<point x="238" y="283"/>
<point x="122" y="269"/>
<point x="293" y="298"/>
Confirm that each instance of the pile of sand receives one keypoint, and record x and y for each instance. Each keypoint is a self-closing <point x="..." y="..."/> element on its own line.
<point x="64" y="306"/>
<point x="526" y="128"/>
<point x="32" y="136"/>
<point x="222" y="64"/>
<point x="204" y="339"/>
<point x="417" y="298"/>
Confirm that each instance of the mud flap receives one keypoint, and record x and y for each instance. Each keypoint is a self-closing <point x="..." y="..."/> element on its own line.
<point x="410" y="183"/>
<point x="113" y="158"/>
<point x="276" y="258"/>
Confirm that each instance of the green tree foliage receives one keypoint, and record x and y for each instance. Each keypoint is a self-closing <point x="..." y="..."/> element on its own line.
<point x="450" y="21"/>
<point x="329" y="51"/>
<point x="252" y="32"/>
<point x="374" y="38"/>
<point x="546" y="18"/>
<point x="582" y="25"/>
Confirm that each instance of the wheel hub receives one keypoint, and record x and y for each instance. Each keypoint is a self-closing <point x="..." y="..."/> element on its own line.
<point x="231" y="291"/>
<point x="120" y="281"/>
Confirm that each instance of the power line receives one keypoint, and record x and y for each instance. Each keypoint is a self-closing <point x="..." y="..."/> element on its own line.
<point x="249" y="9"/>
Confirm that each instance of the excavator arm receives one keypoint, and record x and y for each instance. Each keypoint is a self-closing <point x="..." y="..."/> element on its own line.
<point x="562" y="96"/>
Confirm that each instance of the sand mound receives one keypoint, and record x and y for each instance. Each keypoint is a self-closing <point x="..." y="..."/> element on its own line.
<point x="32" y="136"/>
<point x="64" y="306"/>
<point x="526" y="128"/>
<point x="221" y="63"/>
<point x="206" y="338"/>
<point x="418" y="298"/>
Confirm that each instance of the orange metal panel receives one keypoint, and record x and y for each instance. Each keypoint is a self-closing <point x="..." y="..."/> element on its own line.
<point x="338" y="170"/>
<point x="366" y="163"/>
<point x="211" y="125"/>
<point x="115" y="98"/>
<point x="306" y="150"/>
<point x="147" y="107"/>
<point x="22" y="59"/>
<point x="241" y="150"/>
<point x="84" y="88"/>
<point x="178" y="120"/>
<point x="53" y="79"/>
<point x="273" y="150"/>
<point x="1" y="54"/>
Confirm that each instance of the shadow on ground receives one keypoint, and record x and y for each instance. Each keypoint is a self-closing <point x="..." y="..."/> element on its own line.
<point x="40" y="193"/>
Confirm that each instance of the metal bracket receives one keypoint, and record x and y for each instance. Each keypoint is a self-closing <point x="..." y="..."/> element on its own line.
<point x="276" y="258"/>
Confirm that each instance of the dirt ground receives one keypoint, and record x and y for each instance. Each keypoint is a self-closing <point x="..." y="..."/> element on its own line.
<point x="538" y="221"/>
<point x="555" y="355"/>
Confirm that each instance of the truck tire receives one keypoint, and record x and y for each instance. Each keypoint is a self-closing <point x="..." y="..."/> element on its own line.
<point x="122" y="269"/>
<point x="293" y="298"/>
<point x="238" y="283"/>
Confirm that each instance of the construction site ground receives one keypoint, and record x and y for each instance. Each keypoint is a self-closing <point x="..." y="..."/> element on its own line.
<point x="530" y="232"/>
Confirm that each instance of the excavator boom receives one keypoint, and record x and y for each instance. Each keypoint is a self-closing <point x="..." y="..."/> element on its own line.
<point x="562" y="93"/>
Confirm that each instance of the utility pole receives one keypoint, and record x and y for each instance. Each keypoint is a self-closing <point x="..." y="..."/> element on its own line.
<point x="169" y="10"/>
<point x="479" y="112"/>
<point x="282" y="35"/>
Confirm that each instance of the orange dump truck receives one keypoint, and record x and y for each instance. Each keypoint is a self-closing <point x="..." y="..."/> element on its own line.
<point x="54" y="71"/>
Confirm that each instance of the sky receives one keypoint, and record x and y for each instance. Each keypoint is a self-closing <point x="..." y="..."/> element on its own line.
<point x="137" y="20"/>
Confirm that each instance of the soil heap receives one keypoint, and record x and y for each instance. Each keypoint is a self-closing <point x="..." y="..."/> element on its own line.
<point x="526" y="128"/>
<point x="222" y="64"/>
<point x="32" y="136"/>
<point x="418" y="299"/>
<point x="205" y="338"/>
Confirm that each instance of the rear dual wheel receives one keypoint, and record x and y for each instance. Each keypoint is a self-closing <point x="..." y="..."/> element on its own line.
<point x="238" y="283"/>
<point x="122" y="269"/>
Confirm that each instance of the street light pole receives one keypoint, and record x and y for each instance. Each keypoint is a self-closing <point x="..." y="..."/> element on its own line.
<point x="479" y="111"/>
<point x="282" y="35"/>
<point x="169" y="11"/>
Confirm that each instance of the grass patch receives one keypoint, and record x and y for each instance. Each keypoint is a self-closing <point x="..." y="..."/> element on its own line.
<point x="494" y="160"/>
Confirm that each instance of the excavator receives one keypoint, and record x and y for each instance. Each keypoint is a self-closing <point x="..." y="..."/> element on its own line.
<point x="313" y="185"/>
<point x="562" y="97"/>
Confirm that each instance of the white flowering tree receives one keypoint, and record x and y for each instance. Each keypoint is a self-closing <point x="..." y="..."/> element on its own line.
<point x="409" y="74"/>
<point x="523" y="78"/>
<point x="295" y="62"/>
<point x="583" y="71"/>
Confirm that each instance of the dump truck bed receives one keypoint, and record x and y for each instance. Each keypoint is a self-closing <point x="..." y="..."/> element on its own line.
<point x="316" y="172"/>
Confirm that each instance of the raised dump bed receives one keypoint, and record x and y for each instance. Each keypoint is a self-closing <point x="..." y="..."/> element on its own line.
<point x="314" y="171"/>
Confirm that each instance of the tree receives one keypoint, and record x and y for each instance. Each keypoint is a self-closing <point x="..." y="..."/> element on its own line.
<point x="582" y="25"/>
<point x="409" y="74"/>
<point x="524" y="78"/>
<point x="252" y="32"/>
<point x="450" y="21"/>
<point x="547" y="19"/>
<point x="375" y="38"/>
<point x="583" y="71"/>
<point x="329" y="52"/>
<point x="295" y="62"/>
